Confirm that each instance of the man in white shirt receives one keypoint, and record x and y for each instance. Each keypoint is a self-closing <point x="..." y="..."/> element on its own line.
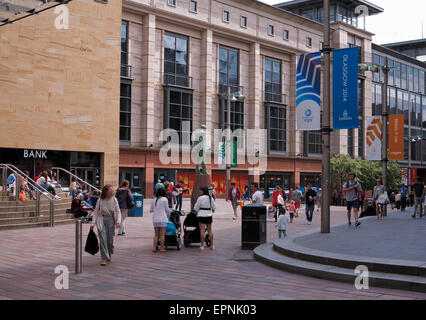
<point x="257" y="196"/>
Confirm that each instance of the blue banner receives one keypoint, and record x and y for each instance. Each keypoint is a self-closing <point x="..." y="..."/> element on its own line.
<point x="308" y="92"/>
<point x="345" y="88"/>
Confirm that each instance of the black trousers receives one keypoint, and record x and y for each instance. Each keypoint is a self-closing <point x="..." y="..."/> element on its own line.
<point x="403" y="203"/>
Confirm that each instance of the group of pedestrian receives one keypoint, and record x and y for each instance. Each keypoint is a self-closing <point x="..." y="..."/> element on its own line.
<point x="252" y="195"/>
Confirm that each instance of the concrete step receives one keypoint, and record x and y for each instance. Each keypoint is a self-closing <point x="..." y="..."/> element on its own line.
<point x="35" y="219"/>
<point x="35" y="225"/>
<point x="292" y="250"/>
<point x="32" y="207"/>
<point x="266" y="254"/>
<point x="32" y="202"/>
<point x="32" y="212"/>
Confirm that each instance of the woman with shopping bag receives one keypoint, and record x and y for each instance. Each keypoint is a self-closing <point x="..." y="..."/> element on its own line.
<point x="106" y="217"/>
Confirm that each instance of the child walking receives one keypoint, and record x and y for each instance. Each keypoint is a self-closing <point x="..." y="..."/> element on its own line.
<point x="282" y="224"/>
<point x="291" y="209"/>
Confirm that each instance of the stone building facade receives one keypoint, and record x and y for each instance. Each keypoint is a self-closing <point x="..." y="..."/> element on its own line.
<point x="259" y="37"/>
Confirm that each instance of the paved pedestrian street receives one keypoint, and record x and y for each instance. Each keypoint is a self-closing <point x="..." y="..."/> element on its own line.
<point x="29" y="258"/>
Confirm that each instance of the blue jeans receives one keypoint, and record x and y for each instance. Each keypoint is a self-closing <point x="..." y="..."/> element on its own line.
<point x="49" y="188"/>
<point x="309" y="212"/>
<point x="178" y="203"/>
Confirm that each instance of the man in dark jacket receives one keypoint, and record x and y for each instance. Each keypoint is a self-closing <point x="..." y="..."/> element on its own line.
<point x="126" y="202"/>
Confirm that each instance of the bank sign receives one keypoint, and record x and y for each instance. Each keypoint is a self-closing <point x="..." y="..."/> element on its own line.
<point x="345" y="88"/>
<point x="35" y="154"/>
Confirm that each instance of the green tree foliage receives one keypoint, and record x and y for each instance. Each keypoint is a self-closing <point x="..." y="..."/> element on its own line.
<point x="366" y="172"/>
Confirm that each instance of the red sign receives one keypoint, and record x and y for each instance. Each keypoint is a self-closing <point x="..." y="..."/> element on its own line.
<point x="396" y="137"/>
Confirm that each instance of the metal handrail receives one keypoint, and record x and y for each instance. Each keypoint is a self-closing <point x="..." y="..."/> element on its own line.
<point x="76" y="177"/>
<point x="31" y="182"/>
<point x="37" y="188"/>
<point x="178" y="80"/>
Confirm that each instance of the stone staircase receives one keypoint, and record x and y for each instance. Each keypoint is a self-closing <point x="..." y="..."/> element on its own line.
<point x="15" y="214"/>
<point x="388" y="273"/>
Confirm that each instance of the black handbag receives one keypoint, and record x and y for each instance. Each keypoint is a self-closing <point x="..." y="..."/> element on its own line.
<point x="130" y="201"/>
<point x="92" y="245"/>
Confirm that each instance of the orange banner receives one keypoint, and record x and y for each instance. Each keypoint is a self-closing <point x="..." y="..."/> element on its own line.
<point x="396" y="137"/>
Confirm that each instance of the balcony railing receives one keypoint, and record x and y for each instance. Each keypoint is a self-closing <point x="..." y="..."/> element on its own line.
<point x="223" y="89"/>
<point x="126" y="71"/>
<point x="275" y="97"/>
<point x="171" y="79"/>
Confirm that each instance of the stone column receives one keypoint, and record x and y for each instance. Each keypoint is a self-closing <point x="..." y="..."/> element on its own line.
<point x="148" y="80"/>
<point x="207" y="90"/>
<point x="254" y="104"/>
<point x="149" y="182"/>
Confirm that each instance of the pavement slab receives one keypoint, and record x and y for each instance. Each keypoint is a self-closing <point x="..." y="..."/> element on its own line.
<point x="29" y="258"/>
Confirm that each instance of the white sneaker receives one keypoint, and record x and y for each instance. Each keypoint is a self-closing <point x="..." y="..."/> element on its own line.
<point x="202" y="248"/>
<point x="213" y="247"/>
<point x="309" y="222"/>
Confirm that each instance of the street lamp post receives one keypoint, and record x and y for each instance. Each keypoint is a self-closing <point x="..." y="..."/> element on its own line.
<point x="385" y="116"/>
<point x="228" y="142"/>
<point x="326" y="130"/>
<point x="230" y="96"/>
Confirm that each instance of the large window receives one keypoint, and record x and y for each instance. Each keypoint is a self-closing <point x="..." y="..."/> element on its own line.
<point x="411" y="78"/>
<point x="124" y="41"/>
<point x="391" y="72"/>
<point x="422" y="82"/>
<point x="273" y="80"/>
<point x="399" y="103"/>
<point x="405" y="106"/>
<point x="417" y="112"/>
<point x="376" y="60"/>
<point x="228" y="67"/>
<point x="403" y="76"/>
<point x="377" y="99"/>
<point x="176" y="60"/>
<point x="397" y="72"/>
<point x="125" y="111"/>
<point x="276" y="124"/>
<point x="124" y="49"/>
<point x="178" y="111"/>
<point x="416" y="80"/>
<point x="228" y="76"/>
<point x="314" y="142"/>
<point x="392" y="100"/>
<point x="424" y="112"/>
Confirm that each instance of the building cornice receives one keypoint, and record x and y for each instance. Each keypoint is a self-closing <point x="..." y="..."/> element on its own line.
<point x="182" y="20"/>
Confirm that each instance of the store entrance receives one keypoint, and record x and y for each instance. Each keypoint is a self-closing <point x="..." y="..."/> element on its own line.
<point x="90" y="175"/>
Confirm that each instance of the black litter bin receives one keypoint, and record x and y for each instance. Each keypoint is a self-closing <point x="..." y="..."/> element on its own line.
<point x="253" y="226"/>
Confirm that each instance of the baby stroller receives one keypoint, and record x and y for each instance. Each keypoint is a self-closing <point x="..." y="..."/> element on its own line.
<point x="191" y="229"/>
<point x="370" y="210"/>
<point x="173" y="231"/>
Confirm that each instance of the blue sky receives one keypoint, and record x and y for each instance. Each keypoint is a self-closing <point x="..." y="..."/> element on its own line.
<point x="400" y="21"/>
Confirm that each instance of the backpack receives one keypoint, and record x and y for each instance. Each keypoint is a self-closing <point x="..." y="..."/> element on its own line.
<point x="359" y="195"/>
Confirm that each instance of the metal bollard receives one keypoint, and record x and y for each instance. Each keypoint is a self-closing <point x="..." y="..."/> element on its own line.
<point x="78" y="246"/>
<point x="52" y="213"/>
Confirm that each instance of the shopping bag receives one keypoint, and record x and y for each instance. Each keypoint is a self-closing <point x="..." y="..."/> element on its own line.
<point x="271" y="212"/>
<point x="92" y="245"/>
